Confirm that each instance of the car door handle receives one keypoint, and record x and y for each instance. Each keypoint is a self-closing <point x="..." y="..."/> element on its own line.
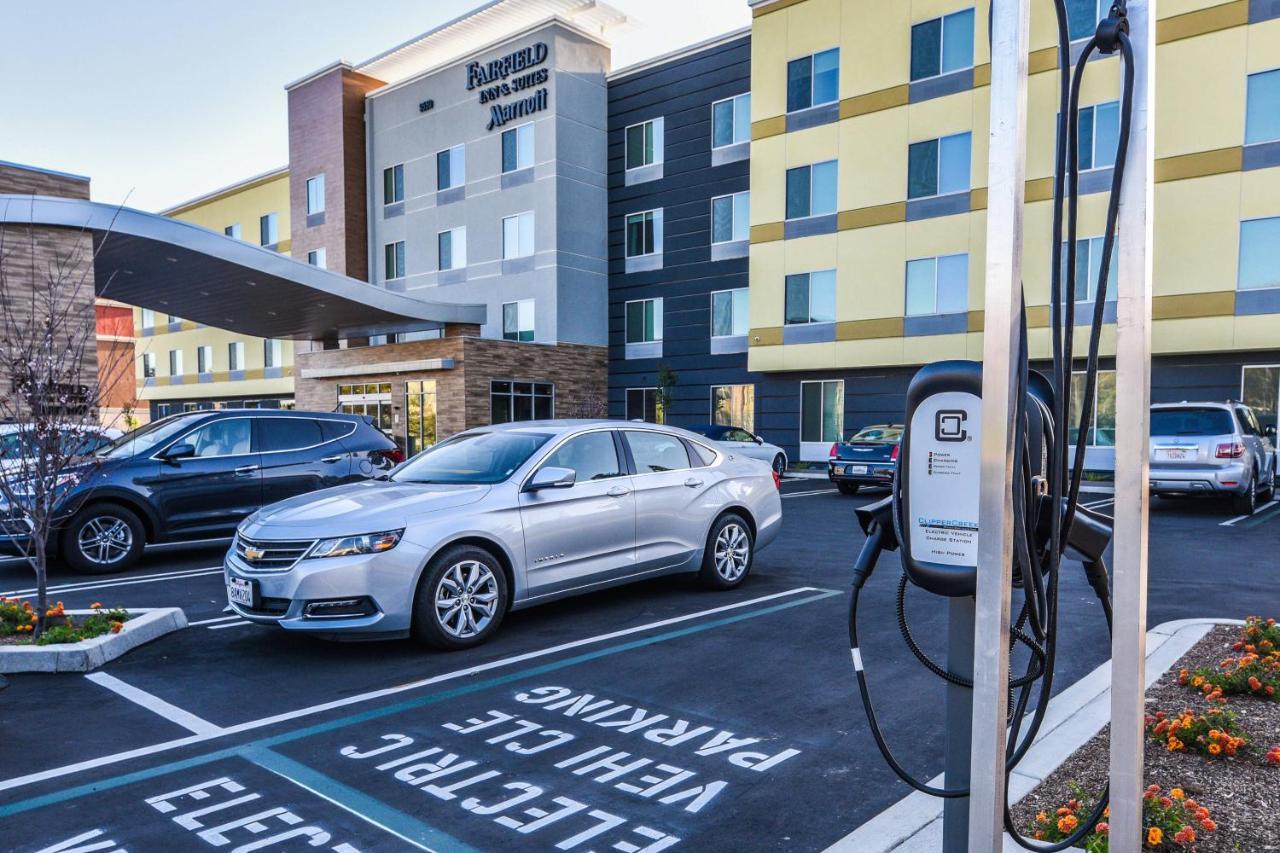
<point x="618" y="492"/>
<point x="331" y="459"/>
<point x="245" y="470"/>
<point x="693" y="482"/>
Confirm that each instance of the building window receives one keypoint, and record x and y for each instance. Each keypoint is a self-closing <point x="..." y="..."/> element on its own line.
<point x="1260" y="391"/>
<point x="451" y="167"/>
<point x="517" y="320"/>
<point x="204" y="358"/>
<point x="1099" y="135"/>
<point x="162" y="410"/>
<point x="393" y="184"/>
<point x="734" y="405"/>
<point x="232" y="230"/>
<point x="811" y="297"/>
<point x="517" y="148"/>
<point x="642" y="405"/>
<point x="938" y="285"/>
<point x="729" y="314"/>
<point x="235" y="355"/>
<point x="822" y="411"/>
<point x="1259" y="254"/>
<point x="644" y="233"/>
<point x="813" y="80"/>
<point x="731" y="121"/>
<point x="315" y="195"/>
<point x="938" y="166"/>
<point x="811" y="190"/>
<point x="644" y="143"/>
<point x="148" y="318"/>
<point x="452" y="246"/>
<point x="272" y="353"/>
<point x="644" y="321"/>
<point x="517" y="235"/>
<point x="730" y="219"/>
<point x="520" y="401"/>
<point x="942" y="45"/>
<point x="148" y="365"/>
<point x="316" y="257"/>
<point x="1102" y="427"/>
<point x="1083" y="17"/>
<point x="268" y="235"/>
<point x="1088" y="265"/>
<point x="420" y="416"/>
<point x="372" y="399"/>
<point x="175" y="362"/>
<point x="1262" y="115"/>
<point x="393" y="260"/>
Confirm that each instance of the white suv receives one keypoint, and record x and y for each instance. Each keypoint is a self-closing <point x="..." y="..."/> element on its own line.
<point x="1212" y="448"/>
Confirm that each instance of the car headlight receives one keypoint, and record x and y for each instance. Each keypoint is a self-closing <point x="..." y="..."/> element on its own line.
<point x="346" y="546"/>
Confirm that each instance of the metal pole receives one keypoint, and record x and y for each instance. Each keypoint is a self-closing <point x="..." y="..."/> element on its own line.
<point x="955" y="811"/>
<point x="1006" y="172"/>
<point x="1133" y="428"/>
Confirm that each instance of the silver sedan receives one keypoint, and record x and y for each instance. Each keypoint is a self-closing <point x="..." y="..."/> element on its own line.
<point x="501" y="518"/>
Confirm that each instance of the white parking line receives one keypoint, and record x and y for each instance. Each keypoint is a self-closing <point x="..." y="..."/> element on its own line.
<point x="156" y="705"/>
<point x="230" y="624"/>
<point x="211" y="621"/>
<point x="806" y="494"/>
<point x="1097" y="504"/>
<point x="78" y="586"/>
<point x="165" y="746"/>
<point x="1266" y="505"/>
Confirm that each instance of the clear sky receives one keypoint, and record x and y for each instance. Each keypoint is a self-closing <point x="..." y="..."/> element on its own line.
<point x="162" y="100"/>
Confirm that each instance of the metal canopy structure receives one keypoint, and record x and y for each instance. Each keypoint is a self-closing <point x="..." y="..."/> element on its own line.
<point x="179" y="268"/>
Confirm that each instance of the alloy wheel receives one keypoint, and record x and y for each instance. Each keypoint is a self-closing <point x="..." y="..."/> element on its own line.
<point x="732" y="551"/>
<point x="105" y="540"/>
<point x="466" y="599"/>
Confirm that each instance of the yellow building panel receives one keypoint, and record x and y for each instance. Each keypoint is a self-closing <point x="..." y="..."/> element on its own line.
<point x="1205" y="334"/>
<point x="1263" y="53"/>
<point x="1258" y="331"/>
<point x="765" y="278"/>
<point x="811" y="28"/>
<point x="865" y="139"/>
<point x="872" y="263"/>
<point x="872" y="352"/>
<point x="882" y="50"/>
<point x="807" y="254"/>
<point x="813" y="145"/>
<point x="1176" y="8"/>
<point x="1197" y="234"/>
<point x="922" y="350"/>
<point x="768" y="66"/>
<point x="941" y="117"/>
<point x="1200" y="93"/>
<point x="768" y="183"/>
<point x="1260" y="194"/>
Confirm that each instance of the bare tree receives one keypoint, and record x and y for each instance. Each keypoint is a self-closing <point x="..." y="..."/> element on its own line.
<point x="54" y="375"/>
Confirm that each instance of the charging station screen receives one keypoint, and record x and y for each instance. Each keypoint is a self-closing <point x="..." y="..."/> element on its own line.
<point x="943" y="481"/>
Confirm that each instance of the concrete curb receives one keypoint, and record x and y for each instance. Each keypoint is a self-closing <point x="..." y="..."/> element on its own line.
<point x="144" y="625"/>
<point x="914" y="823"/>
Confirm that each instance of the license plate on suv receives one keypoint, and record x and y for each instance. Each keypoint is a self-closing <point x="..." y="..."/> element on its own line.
<point x="1175" y="453"/>
<point x="855" y="469"/>
<point x="240" y="591"/>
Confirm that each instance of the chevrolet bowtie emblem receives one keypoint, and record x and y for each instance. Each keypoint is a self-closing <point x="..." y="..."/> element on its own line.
<point x="252" y="553"/>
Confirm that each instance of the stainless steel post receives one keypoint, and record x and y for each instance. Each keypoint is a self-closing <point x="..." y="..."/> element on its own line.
<point x="959" y="712"/>
<point x="1133" y="428"/>
<point x="1006" y="172"/>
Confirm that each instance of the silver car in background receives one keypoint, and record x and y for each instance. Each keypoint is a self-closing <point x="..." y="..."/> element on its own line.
<point x="739" y="441"/>
<point x="1212" y="448"/>
<point x="501" y="518"/>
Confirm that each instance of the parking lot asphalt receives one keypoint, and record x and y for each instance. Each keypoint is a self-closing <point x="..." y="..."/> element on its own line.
<point x="647" y="717"/>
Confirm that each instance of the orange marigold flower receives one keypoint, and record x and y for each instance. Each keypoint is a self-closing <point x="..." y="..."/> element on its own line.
<point x="1102" y="828"/>
<point x="1202" y="813"/>
<point x="1254" y="683"/>
<point x="1273" y="755"/>
<point x="1208" y="825"/>
<point x="1106" y="812"/>
<point x="96" y="605"/>
<point x="1073" y="804"/>
<point x="1063" y="811"/>
<point x="1039" y="836"/>
<point x="1214" y="749"/>
<point x="1154" y="836"/>
<point x="116" y="626"/>
<point x="1166" y="802"/>
<point x="1191" y="805"/>
<point x="1197" y="681"/>
<point x="1214" y="734"/>
<point x="1177" y="794"/>
<point x="1067" y="823"/>
<point x="1042" y="817"/>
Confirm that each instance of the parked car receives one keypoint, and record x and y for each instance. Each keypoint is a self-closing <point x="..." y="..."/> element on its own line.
<point x="197" y="475"/>
<point x="15" y="442"/>
<point x="498" y="519"/>
<point x="746" y="443"/>
<point x="1212" y="449"/>
<point x="866" y="458"/>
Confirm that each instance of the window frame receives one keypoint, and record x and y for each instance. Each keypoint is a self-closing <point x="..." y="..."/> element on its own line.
<point x="732" y="100"/>
<point x="646" y="391"/>
<point x="1101" y="7"/>
<point x="519" y="334"/>
<point x="1274" y="246"/>
<point x="395" y="173"/>
<point x="937" y="177"/>
<point x="835" y="201"/>
<point x="942" y="43"/>
<point x="1091" y="277"/>
<point x="656" y="249"/>
<point x="1248" y="78"/>
<point x="657" y="142"/>
<point x="318" y="258"/>
<point x="269" y="224"/>
<point x="809" y="296"/>
<point x="730" y="292"/>
<point x="454" y="243"/>
<point x="232" y="230"/>
<point x="235" y="355"/>
<point x="451" y="151"/>
<point x="839" y="411"/>
<point x="315" y="191"/>
<point x="812" y="57"/>
<point x="712" y="413"/>
<point x="393" y="252"/>
<point x="733" y="217"/>
<point x="272" y="351"/>
<point x="502" y="153"/>
<point x="148" y="365"/>
<point x="511" y="395"/>
<point x="937" y="268"/>
<point x="1076" y="397"/>
<point x="204" y="358"/>
<point x="655" y="320"/>
<point x="519" y="231"/>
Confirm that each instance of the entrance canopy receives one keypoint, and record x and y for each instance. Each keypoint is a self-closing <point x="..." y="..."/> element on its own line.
<point x="178" y="268"/>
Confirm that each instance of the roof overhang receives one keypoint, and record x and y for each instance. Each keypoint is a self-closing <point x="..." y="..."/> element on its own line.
<point x="179" y="268"/>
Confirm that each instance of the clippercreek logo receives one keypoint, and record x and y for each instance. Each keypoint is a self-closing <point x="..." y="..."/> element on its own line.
<point x="948" y="425"/>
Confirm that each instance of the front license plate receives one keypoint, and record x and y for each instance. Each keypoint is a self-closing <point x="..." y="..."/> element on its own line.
<point x="855" y="469"/>
<point x="240" y="591"/>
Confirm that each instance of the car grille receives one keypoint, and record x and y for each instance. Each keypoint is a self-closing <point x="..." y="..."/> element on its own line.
<point x="262" y="555"/>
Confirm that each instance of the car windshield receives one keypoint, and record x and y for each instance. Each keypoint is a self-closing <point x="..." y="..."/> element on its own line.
<point x="143" y="439"/>
<point x="1191" y="422"/>
<point x="473" y="458"/>
<point x="878" y="433"/>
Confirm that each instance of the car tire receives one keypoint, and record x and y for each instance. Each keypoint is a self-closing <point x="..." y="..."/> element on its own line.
<point x="848" y="488"/>
<point x="779" y="464"/>
<point x="1247" y="502"/>
<point x="102" y="538"/>
<point x="464" y="572"/>
<point x="730" y="551"/>
<point x="1269" y="494"/>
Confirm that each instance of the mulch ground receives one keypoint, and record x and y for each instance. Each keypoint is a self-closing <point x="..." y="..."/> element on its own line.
<point x="1241" y="793"/>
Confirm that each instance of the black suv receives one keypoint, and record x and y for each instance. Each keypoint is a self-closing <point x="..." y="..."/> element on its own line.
<point x="198" y="474"/>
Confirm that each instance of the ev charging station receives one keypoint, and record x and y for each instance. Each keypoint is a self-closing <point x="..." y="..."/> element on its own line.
<point x="986" y="495"/>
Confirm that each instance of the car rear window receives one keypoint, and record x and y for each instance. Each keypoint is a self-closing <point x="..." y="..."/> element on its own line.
<point x="287" y="434"/>
<point x="704" y="454"/>
<point x="336" y="429"/>
<point x="878" y="433"/>
<point x="1191" y="422"/>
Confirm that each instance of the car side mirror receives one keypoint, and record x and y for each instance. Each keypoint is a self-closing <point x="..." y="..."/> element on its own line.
<point x="551" y="478"/>
<point x="757" y="439"/>
<point x="178" y="451"/>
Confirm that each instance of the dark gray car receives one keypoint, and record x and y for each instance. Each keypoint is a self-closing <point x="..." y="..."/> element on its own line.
<point x="1212" y="448"/>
